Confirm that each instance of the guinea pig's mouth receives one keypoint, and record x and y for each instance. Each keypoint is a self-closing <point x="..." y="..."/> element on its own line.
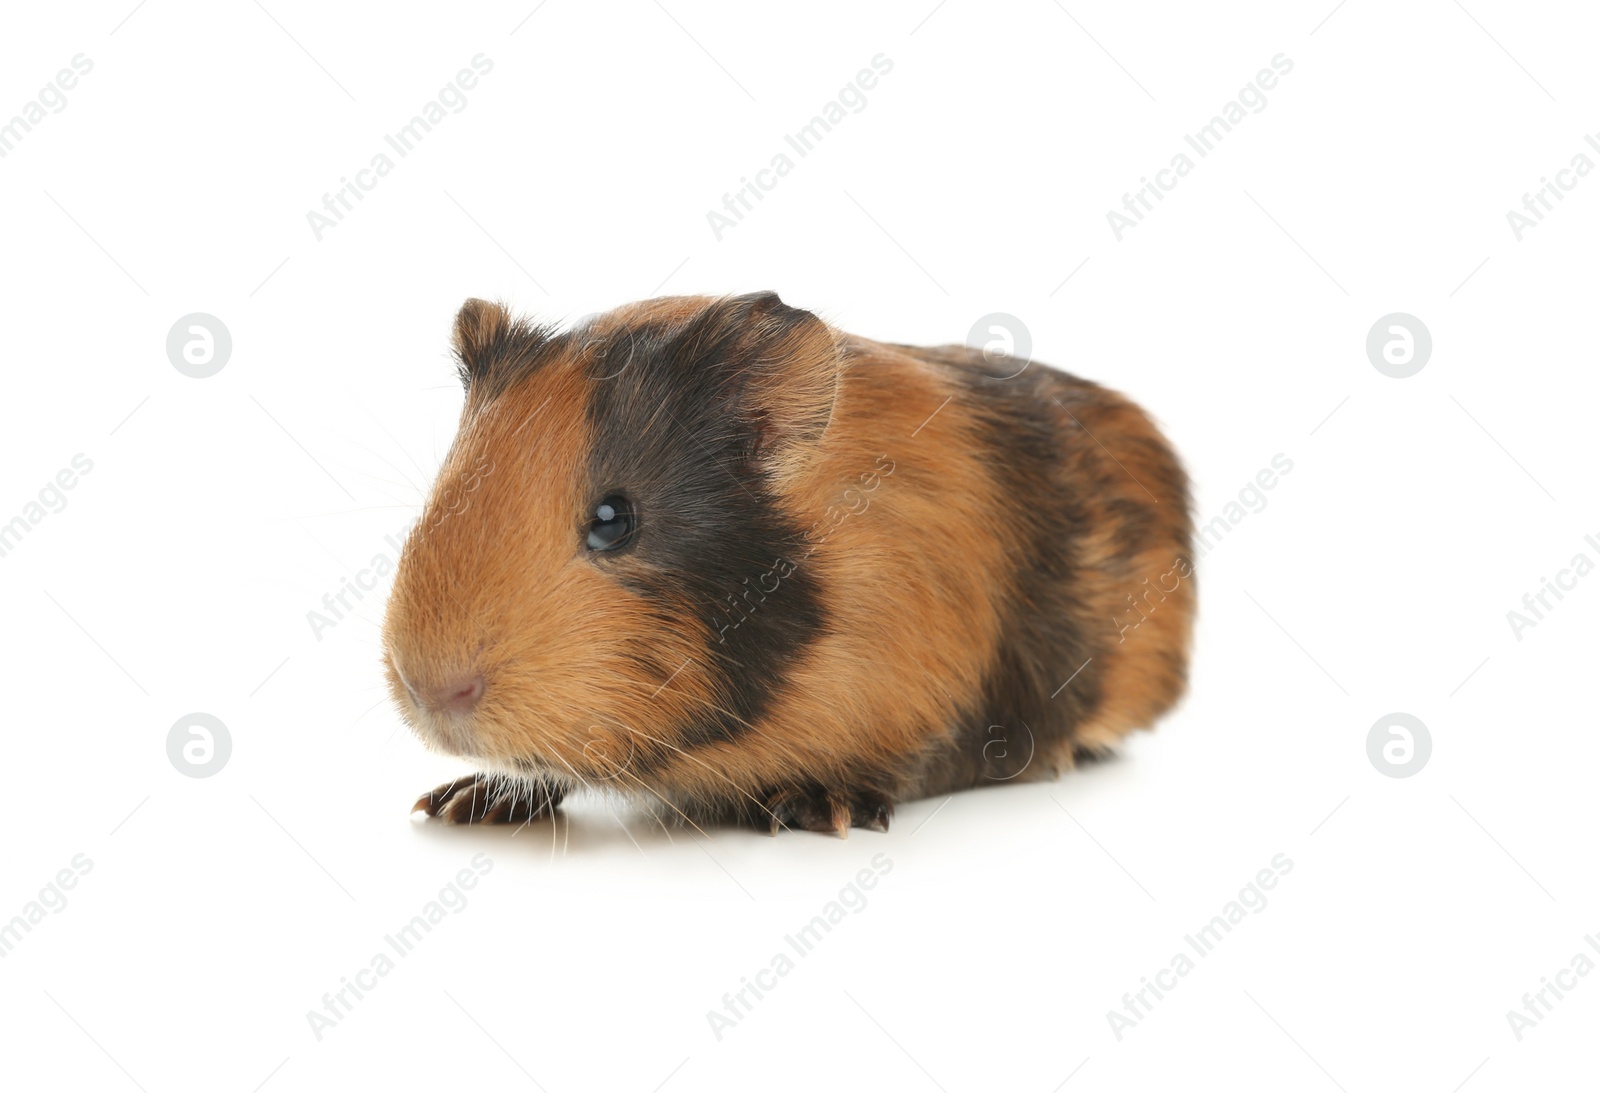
<point x="450" y="733"/>
<point x="459" y="717"/>
<point x="475" y="735"/>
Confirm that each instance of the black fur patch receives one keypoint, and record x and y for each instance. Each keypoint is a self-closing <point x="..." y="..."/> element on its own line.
<point x="1023" y="707"/>
<point x="500" y="351"/>
<point x="669" y="433"/>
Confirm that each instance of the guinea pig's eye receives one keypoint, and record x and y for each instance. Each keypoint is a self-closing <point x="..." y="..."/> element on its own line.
<point x="613" y="524"/>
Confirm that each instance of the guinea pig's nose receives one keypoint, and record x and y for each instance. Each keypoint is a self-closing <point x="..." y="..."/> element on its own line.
<point x="459" y="695"/>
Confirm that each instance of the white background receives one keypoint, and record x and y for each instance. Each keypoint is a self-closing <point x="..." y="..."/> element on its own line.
<point x="1378" y="577"/>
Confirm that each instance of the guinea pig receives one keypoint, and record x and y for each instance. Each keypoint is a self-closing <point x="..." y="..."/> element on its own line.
<point x="738" y="566"/>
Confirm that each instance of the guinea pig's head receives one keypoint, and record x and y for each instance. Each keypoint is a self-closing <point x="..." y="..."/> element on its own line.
<point x="607" y="573"/>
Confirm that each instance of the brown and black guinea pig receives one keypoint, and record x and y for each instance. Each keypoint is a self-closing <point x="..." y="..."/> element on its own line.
<point x="735" y="565"/>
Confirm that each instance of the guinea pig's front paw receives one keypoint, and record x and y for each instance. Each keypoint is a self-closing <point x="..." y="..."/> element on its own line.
<point x="813" y="808"/>
<point x="490" y="799"/>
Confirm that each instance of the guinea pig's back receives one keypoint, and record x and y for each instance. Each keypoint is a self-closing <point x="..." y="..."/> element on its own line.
<point x="1104" y="589"/>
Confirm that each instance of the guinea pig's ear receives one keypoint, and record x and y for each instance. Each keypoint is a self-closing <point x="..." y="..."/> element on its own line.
<point x="481" y="328"/>
<point x="783" y="372"/>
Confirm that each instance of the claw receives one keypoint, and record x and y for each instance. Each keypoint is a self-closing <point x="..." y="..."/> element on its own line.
<point x="432" y="801"/>
<point x="841" y="819"/>
<point x="483" y="799"/>
<point x="814" y="808"/>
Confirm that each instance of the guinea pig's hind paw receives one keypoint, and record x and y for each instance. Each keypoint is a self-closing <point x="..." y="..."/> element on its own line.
<point x="489" y="799"/>
<point x="813" y="808"/>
